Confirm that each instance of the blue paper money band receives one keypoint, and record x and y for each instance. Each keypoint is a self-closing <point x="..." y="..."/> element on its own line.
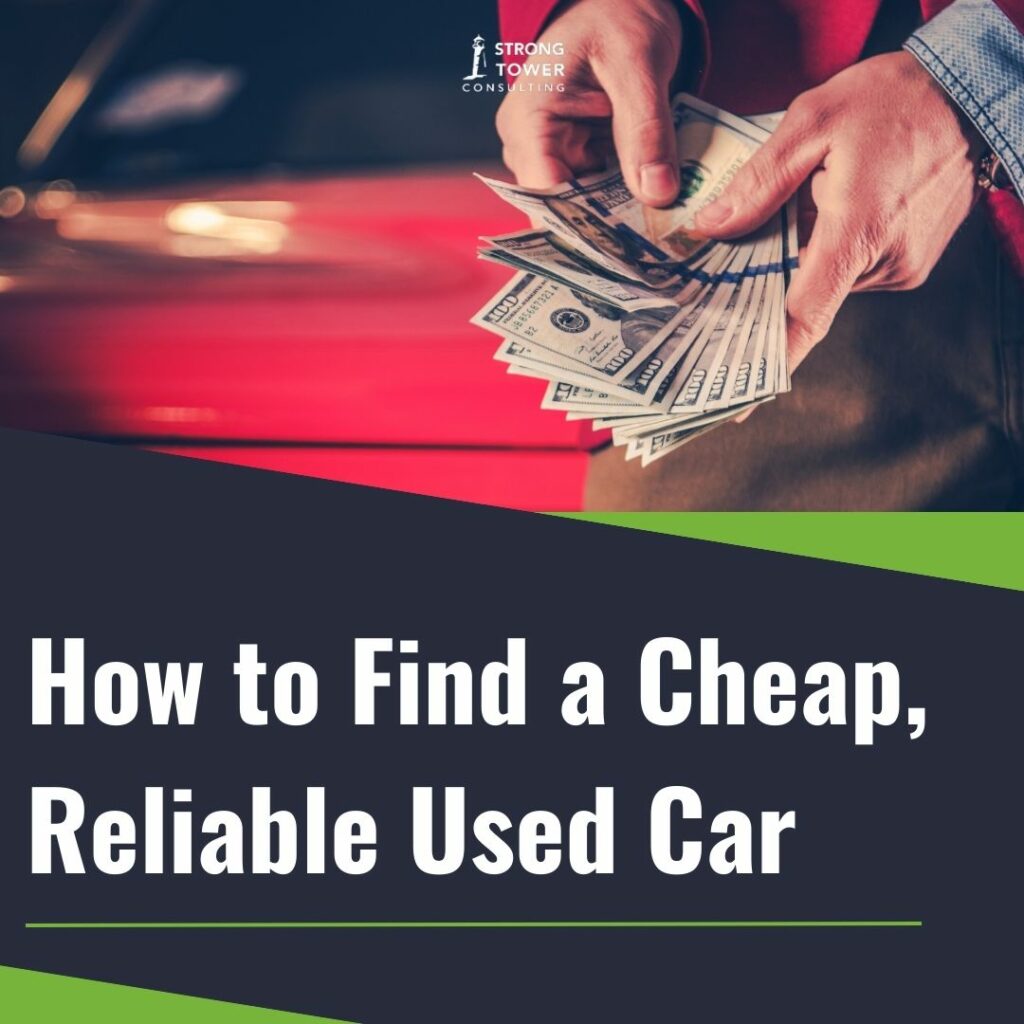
<point x="734" y="276"/>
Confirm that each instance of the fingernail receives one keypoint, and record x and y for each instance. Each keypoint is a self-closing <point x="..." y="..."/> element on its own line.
<point x="714" y="214"/>
<point x="658" y="181"/>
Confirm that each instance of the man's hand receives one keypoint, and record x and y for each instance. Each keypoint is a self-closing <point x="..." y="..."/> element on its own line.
<point x="891" y="167"/>
<point x="619" y="60"/>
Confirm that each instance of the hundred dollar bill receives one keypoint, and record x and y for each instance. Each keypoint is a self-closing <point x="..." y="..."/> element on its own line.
<point x="539" y="362"/>
<point x="699" y="381"/>
<point x="711" y="381"/>
<point x="649" y="245"/>
<point x="610" y="345"/>
<point x="726" y="326"/>
<point x="571" y="212"/>
<point x="694" y="385"/>
<point x="712" y="146"/>
<point x="545" y="253"/>
<point x="635" y="321"/>
<point x="734" y="333"/>
<point x="600" y="337"/>
<point x="650" y="379"/>
<point x="686" y="364"/>
<point x="575" y="399"/>
<point x="650" y="449"/>
<point x="674" y="435"/>
<point x="742" y="371"/>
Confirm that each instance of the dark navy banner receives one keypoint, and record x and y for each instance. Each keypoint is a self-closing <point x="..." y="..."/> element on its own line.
<point x="436" y="761"/>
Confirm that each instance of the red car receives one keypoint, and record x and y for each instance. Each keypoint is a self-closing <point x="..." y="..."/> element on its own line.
<point x="243" y="237"/>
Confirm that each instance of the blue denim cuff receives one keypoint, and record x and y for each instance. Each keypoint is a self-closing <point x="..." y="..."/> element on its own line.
<point x="977" y="55"/>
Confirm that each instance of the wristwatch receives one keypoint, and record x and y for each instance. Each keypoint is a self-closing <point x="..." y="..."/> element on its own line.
<point x="992" y="174"/>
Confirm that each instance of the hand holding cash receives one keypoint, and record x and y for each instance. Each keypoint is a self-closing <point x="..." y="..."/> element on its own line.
<point x="639" y="322"/>
<point x="619" y="62"/>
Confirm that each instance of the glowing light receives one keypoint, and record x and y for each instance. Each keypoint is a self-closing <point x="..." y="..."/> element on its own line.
<point x="195" y="219"/>
<point x="12" y="201"/>
<point x="57" y="196"/>
<point x="225" y="229"/>
<point x="179" y="414"/>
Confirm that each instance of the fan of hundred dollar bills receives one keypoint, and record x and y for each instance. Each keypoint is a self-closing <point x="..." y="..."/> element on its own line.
<point x="638" y="322"/>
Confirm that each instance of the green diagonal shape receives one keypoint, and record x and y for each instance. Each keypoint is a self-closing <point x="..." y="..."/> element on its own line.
<point x="971" y="547"/>
<point x="32" y="997"/>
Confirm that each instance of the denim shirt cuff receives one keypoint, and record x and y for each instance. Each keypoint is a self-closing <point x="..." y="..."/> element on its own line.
<point x="977" y="55"/>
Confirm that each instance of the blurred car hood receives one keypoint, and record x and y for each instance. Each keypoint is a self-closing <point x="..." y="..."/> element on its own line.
<point x="332" y="310"/>
<point x="408" y="233"/>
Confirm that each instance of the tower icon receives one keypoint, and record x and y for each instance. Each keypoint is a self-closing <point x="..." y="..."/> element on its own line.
<point x="479" y="60"/>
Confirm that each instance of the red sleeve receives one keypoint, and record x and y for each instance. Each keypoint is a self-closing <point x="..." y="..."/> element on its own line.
<point x="522" y="21"/>
<point x="1007" y="217"/>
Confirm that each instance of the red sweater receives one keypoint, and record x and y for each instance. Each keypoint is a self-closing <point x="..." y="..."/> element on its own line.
<point x="809" y="41"/>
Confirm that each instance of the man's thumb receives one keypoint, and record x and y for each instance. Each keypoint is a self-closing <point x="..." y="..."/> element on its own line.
<point x="763" y="183"/>
<point x="645" y="140"/>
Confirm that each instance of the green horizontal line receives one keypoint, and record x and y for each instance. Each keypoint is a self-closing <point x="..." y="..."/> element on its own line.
<point x="467" y="924"/>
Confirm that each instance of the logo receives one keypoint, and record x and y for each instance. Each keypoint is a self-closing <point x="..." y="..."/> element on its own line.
<point x="479" y="60"/>
<point x="572" y="321"/>
<point x="516" y="67"/>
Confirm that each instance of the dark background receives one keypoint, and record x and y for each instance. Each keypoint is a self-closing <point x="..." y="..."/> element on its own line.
<point x="41" y="41"/>
<point x="324" y="85"/>
<point x="156" y="558"/>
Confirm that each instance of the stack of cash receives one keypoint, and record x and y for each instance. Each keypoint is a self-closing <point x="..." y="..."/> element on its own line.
<point x="637" y="321"/>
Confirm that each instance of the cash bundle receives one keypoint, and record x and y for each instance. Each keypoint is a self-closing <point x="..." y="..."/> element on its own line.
<point x="636" y="321"/>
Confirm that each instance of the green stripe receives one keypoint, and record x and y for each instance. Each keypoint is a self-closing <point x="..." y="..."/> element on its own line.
<point x="64" y="925"/>
<point x="31" y="996"/>
<point x="971" y="547"/>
